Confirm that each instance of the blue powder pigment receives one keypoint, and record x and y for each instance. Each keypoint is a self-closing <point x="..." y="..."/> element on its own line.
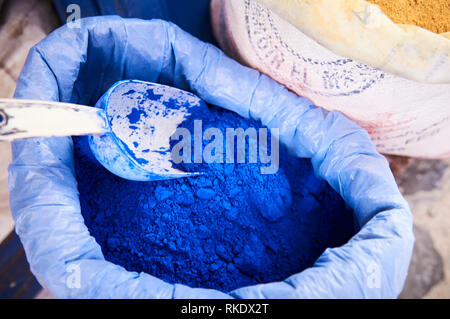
<point x="135" y="116"/>
<point x="230" y="227"/>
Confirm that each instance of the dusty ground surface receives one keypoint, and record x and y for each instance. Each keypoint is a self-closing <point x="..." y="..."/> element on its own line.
<point x="426" y="184"/>
<point x="23" y="23"/>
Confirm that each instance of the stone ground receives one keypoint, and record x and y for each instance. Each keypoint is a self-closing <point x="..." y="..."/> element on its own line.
<point x="426" y="186"/>
<point x="425" y="183"/>
<point x="22" y="24"/>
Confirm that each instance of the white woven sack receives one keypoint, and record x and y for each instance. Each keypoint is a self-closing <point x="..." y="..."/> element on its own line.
<point x="347" y="55"/>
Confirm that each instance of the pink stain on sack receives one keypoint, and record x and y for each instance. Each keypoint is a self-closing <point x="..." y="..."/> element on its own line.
<point x="385" y="123"/>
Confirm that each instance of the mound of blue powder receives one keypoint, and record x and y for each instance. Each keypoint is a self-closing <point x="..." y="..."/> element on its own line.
<point x="228" y="228"/>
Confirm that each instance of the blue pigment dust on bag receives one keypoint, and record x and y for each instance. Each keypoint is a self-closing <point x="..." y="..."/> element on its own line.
<point x="228" y="228"/>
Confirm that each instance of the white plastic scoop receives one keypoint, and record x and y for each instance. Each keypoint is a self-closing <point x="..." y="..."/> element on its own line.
<point x="130" y="127"/>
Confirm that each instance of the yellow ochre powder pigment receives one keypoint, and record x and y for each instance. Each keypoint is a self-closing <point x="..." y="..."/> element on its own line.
<point x="433" y="15"/>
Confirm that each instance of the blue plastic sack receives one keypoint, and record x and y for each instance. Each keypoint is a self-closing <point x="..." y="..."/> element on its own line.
<point x="79" y="65"/>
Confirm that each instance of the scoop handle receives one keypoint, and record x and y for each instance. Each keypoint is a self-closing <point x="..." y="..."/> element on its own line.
<point x="28" y="118"/>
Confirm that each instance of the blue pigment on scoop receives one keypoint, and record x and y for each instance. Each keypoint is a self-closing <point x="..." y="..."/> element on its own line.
<point x="142" y="117"/>
<point x="135" y="116"/>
